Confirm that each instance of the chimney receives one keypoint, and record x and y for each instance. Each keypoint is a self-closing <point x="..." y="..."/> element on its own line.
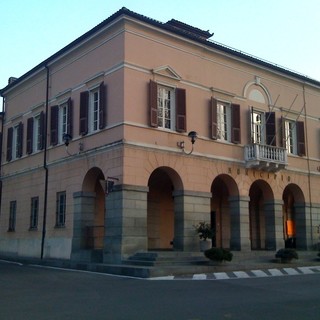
<point x="12" y="79"/>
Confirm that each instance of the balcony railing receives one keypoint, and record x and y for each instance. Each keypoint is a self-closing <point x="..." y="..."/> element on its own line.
<point x="265" y="157"/>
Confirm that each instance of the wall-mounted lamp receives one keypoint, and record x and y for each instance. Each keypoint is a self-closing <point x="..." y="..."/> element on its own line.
<point x="193" y="136"/>
<point x="108" y="184"/>
<point x="66" y="138"/>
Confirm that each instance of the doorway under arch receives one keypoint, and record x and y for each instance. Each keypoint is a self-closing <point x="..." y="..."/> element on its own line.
<point x="160" y="217"/>
<point x="294" y="217"/>
<point x="260" y="194"/>
<point x="223" y="188"/>
<point x="94" y="219"/>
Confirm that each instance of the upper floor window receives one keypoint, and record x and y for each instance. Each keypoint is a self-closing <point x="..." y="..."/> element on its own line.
<point x="61" y="122"/>
<point x="12" y="216"/>
<point x="35" y="133"/>
<point x="225" y="121"/>
<point x="15" y="142"/>
<point x="93" y="109"/>
<point x="294" y="140"/>
<point x="167" y="107"/>
<point x="263" y="127"/>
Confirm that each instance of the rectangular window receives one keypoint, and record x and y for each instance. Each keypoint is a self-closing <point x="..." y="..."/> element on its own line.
<point x="17" y="142"/>
<point x="61" y="209"/>
<point x="12" y="216"/>
<point x="34" y="213"/>
<point x="291" y="136"/>
<point x="63" y="121"/>
<point x="94" y="110"/>
<point x="166" y="105"/>
<point x="223" y="121"/>
<point x="37" y="137"/>
<point x="257" y="127"/>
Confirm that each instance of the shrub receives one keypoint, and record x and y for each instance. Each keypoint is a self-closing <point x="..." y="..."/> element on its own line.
<point x="287" y="254"/>
<point x="218" y="254"/>
<point x="204" y="230"/>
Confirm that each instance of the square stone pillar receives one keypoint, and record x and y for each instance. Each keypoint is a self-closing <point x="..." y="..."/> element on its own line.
<point x="125" y="223"/>
<point x="303" y="216"/>
<point x="189" y="209"/>
<point x="83" y="215"/>
<point x="239" y="223"/>
<point x="274" y="225"/>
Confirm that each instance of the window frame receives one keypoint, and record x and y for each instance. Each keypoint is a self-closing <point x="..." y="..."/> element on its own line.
<point x="178" y="107"/>
<point x="34" y="213"/>
<point x="12" y="216"/>
<point x="61" y="204"/>
<point x="297" y="146"/>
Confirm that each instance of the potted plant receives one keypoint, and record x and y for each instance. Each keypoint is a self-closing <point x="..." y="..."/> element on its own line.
<point x="286" y="255"/>
<point x="218" y="254"/>
<point x="205" y="233"/>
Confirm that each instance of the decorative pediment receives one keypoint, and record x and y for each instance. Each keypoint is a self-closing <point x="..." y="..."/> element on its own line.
<point x="167" y="71"/>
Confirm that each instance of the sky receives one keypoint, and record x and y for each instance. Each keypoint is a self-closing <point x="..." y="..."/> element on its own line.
<point x="284" y="32"/>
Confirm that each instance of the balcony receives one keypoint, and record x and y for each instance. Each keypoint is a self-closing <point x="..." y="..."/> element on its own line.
<point x="265" y="157"/>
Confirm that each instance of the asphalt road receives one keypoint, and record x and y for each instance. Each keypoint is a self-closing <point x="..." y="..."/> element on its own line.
<point x="30" y="292"/>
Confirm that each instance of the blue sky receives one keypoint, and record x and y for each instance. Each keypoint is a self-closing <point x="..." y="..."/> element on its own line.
<point x="284" y="32"/>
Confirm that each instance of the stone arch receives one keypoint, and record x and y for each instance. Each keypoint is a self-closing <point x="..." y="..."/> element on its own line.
<point x="294" y="217"/>
<point x="161" y="221"/>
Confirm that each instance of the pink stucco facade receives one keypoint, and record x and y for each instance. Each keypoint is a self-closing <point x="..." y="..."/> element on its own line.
<point x="159" y="191"/>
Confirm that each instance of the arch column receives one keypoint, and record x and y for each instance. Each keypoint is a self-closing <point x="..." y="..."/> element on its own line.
<point x="303" y="226"/>
<point x="189" y="208"/>
<point x="239" y="223"/>
<point x="83" y="206"/>
<point x="273" y="224"/>
<point x="125" y="222"/>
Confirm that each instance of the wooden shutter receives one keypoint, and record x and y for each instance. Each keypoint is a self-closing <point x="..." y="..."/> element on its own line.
<point x="42" y="126"/>
<point x="270" y="119"/>
<point x="54" y="122"/>
<point x="213" y="107"/>
<point x="153" y="103"/>
<point x="181" y="123"/>
<point x="301" y="146"/>
<point x="30" y="135"/>
<point x="20" y="140"/>
<point x="69" y="117"/>
<point x="102" y="105"/>
<point x="235" y="124"/>
<point x="84" y="105"/>
<point x="9" y="144"/>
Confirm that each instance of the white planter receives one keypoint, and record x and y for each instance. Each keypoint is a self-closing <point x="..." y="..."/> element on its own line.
<point x="205" y="245"/>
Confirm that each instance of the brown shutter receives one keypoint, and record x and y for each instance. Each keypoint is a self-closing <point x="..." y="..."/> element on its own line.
<point x="283" y="133"/>
<point x="270" y="128"/>
<point x="213" y="107"/>
<point x="70" y="117"/>
<point x="301" y="147"/>
<point x="54" y="121"/>
<point x="181" y="125"/>
<point x="42" y="130"/>
<point x="9" y="143"/>
<point x="84" y="104"/>
<point x="102" y="105"/>
<point x="235" y="124"/>
<point x="20" y="140"/>
<point x="30" y="135"/>
<point x="153" y="103"/>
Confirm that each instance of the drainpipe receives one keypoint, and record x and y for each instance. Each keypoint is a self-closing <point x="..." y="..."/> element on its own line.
<point x="45" y="166"/>
<point x="1" y="144"/>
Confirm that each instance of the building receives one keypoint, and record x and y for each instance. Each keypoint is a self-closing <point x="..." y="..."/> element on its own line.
<point x="98" y="157"/>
